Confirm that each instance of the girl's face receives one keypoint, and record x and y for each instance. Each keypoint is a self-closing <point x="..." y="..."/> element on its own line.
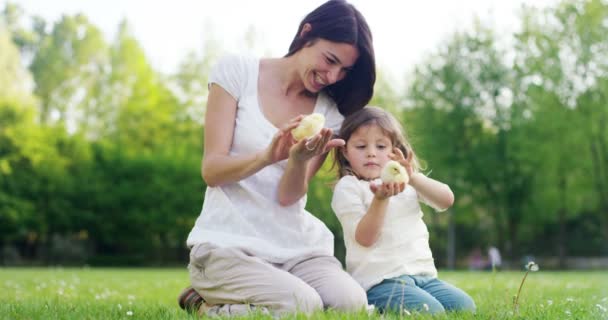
<point x="324" y="63"/>
<point x="367" y="150"/>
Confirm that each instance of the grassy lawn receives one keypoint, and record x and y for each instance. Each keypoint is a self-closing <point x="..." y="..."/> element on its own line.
<point x="40" y="293"/>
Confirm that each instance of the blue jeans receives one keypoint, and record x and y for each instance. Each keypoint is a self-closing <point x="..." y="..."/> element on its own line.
<point x="414" y="292"/>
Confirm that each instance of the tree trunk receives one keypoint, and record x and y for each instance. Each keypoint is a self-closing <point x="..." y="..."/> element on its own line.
<point x="451" y="247"/>
<point x="561" y="220"/>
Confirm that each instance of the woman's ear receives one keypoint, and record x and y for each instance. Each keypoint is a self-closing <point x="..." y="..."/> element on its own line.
<point x="305" y="29"/>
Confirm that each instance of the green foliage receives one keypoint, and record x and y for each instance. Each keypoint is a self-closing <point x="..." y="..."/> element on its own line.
<point x="100" y="153"/>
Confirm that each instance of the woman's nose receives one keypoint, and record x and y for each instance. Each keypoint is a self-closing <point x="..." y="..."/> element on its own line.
<point x="334" y="74"/>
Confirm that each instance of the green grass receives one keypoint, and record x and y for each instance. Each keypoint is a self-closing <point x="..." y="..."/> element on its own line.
<point x="56" y="293"/>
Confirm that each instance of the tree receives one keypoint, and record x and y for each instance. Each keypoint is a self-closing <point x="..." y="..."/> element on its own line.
<point x="460" y="109"/>
<point x="142" y="109"/>
<point x="66" y="68"/>
<point x="562" y="66"/>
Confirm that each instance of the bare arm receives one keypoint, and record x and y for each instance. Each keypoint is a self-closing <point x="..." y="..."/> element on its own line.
<point x="218" y="167"/>
<point x="370" y="226"/>
<point x="439" y="194"/>
<point x="303" y="164"/>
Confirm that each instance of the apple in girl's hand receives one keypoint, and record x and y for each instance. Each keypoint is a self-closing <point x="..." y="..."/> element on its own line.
<point x="309" y="126"/>
<point x="393" y="171"/>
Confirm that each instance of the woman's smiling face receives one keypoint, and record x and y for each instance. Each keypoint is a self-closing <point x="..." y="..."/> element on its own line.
<point x="324" y="63"/>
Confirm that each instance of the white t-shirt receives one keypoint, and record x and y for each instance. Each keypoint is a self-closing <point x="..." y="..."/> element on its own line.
<point x="246" y="213"/>
<point x="403" y="245"/>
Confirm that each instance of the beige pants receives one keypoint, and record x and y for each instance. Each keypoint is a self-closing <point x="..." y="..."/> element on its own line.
<point x="230" y="276"/>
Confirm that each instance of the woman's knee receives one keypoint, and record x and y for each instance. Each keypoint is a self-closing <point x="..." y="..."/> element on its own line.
<point x="351" y="299"/>
<point x="305" y="300"/>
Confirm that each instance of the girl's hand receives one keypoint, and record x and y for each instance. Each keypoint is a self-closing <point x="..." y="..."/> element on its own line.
<point x="398" y="156"/>
<point x="321" y="143"/>
<point x="386" y="190"/>
<point x="281" y="142"/>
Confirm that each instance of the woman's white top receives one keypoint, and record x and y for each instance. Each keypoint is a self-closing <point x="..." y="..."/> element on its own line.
<point x="403" y="245"/>
<point x="246" y="214"/>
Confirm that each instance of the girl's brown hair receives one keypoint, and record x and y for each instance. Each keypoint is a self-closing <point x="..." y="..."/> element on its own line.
<point x="386" y="122"/>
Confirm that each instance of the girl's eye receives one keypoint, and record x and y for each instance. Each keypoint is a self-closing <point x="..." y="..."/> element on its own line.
<point x="381" y="147"/>
<point x="360" y="147"/>
<point x="330" y="61"/>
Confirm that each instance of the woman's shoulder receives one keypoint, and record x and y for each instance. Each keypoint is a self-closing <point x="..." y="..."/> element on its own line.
<point x="328" y="107"/>
<point x="236" y="60"/>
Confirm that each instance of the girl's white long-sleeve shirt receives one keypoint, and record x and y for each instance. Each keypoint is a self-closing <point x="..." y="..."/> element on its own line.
<point x="403" y="246"/>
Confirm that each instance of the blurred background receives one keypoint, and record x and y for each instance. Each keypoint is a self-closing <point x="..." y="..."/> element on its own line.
<point x="102" y="107"/>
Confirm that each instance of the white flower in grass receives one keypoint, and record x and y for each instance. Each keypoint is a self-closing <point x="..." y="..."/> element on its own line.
<point x="119" y="306"/>
<point x="569" y="299"/>
<point x="549" y="302"/>
<point x="532" y="266"/>
<point x="129" y="313"/>
<point x="568" y="312"/>
<point x="602" y="308"/>
<point x="406" y="312"/>
<point x="370" y="308"/>
<point x="426" y="307"/>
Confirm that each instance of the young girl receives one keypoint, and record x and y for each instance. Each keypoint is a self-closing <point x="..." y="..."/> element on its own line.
<point x="387" y="242"/>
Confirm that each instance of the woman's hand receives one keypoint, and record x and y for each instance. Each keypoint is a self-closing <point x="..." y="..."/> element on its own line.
<point x="281" y="142"/>
<point x="321" y="143"/>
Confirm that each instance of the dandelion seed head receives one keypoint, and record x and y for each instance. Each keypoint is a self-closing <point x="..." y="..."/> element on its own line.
<point x="532" y="266"/>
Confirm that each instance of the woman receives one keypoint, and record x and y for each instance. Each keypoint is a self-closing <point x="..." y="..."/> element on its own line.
<point x="254" y="244"/>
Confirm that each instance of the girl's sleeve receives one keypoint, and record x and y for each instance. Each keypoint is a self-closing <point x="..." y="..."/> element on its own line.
<point x="230" y="74"/>
<point x="348" y="205"/>
<point x="426" y="201"/>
